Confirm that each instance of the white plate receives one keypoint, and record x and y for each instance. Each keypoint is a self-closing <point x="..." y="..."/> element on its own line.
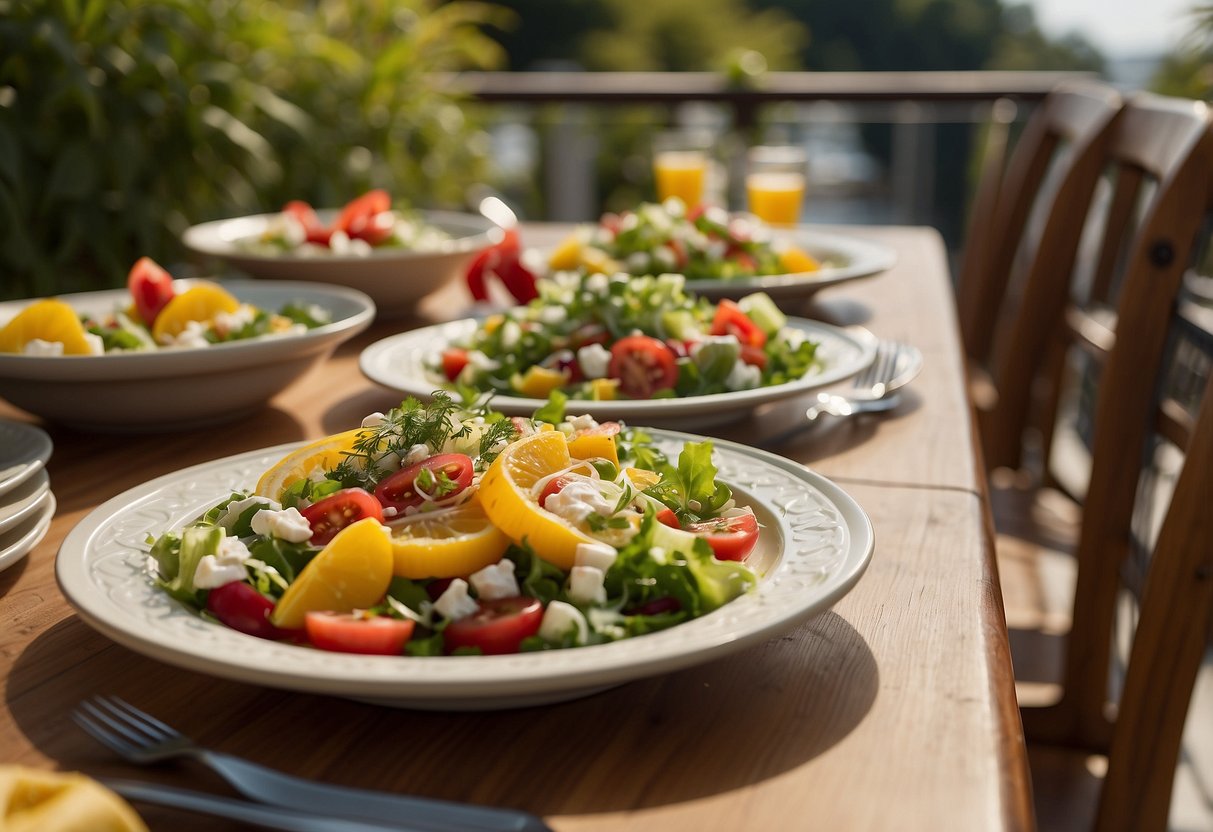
<point x="24" y="449"/>
<point x="25" y="501"/>
<point x="818" y="543"/>
<point x="398" y="362"/>
<point x="179" y="388"/>
<point x="17" y="542"/>
<point x="395" y="278"/>
<point x="852" y="258"/>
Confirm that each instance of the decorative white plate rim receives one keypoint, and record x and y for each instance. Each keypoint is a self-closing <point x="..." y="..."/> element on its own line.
<point x="26" y="500"/>
<point x="215" y="358"/>
<point x="24" y="449"/>
<point x="395" y="362"/>
<point x="19" y="542"/>
<point x="219" y="238"/>
<point x="101" y="567"/>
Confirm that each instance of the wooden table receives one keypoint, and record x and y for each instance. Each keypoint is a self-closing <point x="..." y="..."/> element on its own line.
<point x="896" y="710"/>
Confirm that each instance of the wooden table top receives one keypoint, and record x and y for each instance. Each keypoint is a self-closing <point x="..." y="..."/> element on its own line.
<point x="894" y="710"/>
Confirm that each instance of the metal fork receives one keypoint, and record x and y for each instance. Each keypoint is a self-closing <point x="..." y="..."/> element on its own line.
<point x="873" y="390"/>
<point x="141" y="738"/>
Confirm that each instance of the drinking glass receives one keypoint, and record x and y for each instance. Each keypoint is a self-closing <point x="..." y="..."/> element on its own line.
<point x="775" y="183"/>
<point x="681" y="163"/>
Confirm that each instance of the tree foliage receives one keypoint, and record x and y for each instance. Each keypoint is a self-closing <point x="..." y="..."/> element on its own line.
<point x="122" y="121"/>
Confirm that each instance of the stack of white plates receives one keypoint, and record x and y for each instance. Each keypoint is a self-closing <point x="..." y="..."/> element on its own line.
<point x="26" y="502"/>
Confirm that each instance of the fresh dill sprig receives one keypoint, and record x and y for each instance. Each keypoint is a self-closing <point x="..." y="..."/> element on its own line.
<point x="493" y="434"/>
<point x="402" y="427"/>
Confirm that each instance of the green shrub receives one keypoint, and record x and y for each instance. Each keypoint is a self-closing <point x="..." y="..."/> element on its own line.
<point x="122" y="122"/>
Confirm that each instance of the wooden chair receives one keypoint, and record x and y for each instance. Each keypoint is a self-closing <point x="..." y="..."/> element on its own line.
<point x="1145" y="142"/>
<point x="1061" y="139"/>
<point x="1126" y="323"/>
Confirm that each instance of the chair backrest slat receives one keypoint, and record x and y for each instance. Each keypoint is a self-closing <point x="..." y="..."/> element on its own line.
<point x="1074" y="116"/>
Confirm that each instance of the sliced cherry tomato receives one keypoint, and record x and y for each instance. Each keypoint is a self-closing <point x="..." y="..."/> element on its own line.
<point x="338" y="510"/>
<point x="612" y="222"/>
<point x="730" y="320"/>
<point x="453" y="362"/>
<point x="667" y="517"/>
<point x="680" y="252"/>
<point x="357" y="217"/>
<point x="553" y="487"/>
<point x="243" y="608"/>
<point x="643" y="366"/>
<point x="747" y="262"/>
<point x="151" y="288"/>
<point x="305" y="215"/>
<point x="344" y="632"/>
<point x="754" y="356"/>
<point x="399" y="490"/>
<point x="498" y="627"/>
<point x="731" y="538"/>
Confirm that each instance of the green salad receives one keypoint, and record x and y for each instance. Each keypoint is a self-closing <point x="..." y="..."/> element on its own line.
<point x="591" y="336"/>
<point x="705" y="243"/>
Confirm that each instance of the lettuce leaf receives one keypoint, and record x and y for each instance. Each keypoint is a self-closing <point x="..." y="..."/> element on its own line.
<point x="691" y="489"/>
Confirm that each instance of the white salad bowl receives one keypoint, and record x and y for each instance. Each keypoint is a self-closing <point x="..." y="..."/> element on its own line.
<point x="395" y="278"/>
<point x="816" y="543"/>
<point x="179" y="388"/>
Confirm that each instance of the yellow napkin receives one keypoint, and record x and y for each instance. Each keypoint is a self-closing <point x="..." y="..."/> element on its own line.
<point x="32" y="800"/>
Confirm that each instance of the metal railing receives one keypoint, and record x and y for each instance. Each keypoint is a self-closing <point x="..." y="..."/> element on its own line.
<point x="915" y="105"/>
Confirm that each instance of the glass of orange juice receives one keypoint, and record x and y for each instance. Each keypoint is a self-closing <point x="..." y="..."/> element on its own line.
<point x="775" y="183"/>
<point x="681" y="165"/>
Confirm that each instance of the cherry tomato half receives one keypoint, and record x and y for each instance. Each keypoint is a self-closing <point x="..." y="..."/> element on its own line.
<point x="731" y="538"/>
<point x="338" y="510"/>
<point x="399" y="492"/>
<point x="305" y="215"/>
<point x="754" y="356"/>
<point x="555" y="484"/>
<point x="358" y="217"/>
<point x="453" y="362"/>
<point x="667" y="517"/>
<point x="344" y="632"/>
<point x="730" y="320"/>
<point x="643" y="366"/>
<point x="151" y="288"/>
<point x="243" y="608"/>
<point x="498" y="627"/>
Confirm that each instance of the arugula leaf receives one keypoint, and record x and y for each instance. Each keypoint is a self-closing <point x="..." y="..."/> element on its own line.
<point x="691" y="489"/>
<point x="537" y="578"/>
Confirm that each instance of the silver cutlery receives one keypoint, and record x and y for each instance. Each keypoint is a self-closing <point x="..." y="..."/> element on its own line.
<point x="268" y="817"/>
<point x="875" y="389"/>
<point x="141" y="738"/>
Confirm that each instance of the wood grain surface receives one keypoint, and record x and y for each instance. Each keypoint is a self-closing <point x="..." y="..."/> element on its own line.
<point x="896" y="710"/>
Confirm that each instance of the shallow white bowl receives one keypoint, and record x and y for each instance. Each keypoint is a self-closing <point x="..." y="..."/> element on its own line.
<point x="178" y="389"/>
<point x="396" y="279"/>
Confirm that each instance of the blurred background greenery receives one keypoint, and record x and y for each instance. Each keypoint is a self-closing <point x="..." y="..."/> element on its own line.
<point x="124" y="121"/>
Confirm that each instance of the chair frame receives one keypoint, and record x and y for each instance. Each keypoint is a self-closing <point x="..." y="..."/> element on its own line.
<point x="1173" y="141"/>
<point x="1077" y="113"/>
